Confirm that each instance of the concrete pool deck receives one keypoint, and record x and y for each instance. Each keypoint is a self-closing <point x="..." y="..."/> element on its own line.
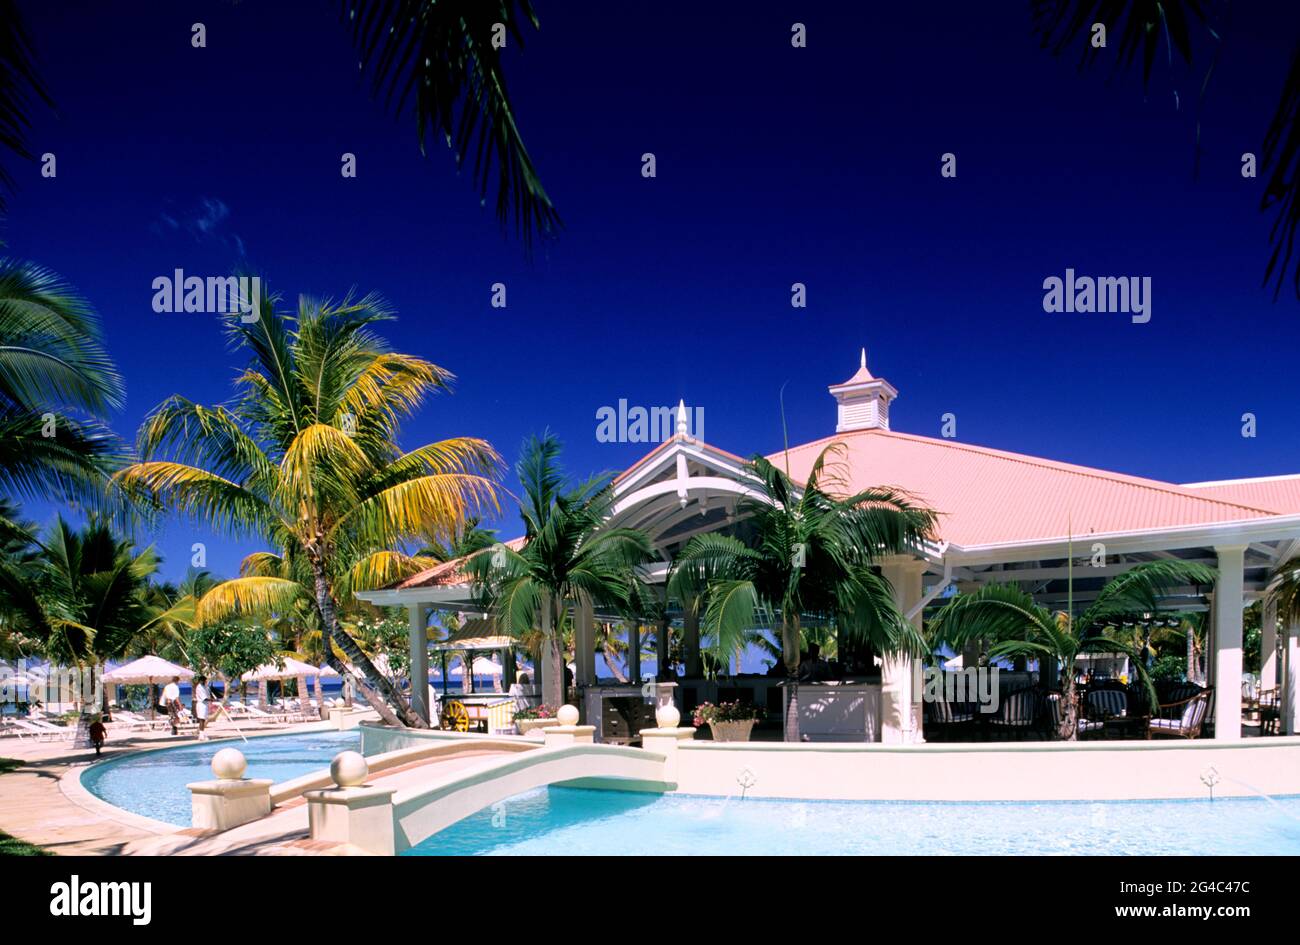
<point x="36" y="807"/>
<point x="44" y="803"/>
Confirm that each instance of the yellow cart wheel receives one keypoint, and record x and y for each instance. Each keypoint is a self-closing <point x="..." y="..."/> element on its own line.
<point x="455" y="717"/>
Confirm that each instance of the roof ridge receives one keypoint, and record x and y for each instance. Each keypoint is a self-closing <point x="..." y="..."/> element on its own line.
<point x="1156" y="485"/>
<point x="1249" y="480"/>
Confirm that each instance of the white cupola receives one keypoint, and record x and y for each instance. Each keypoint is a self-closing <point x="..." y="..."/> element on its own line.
<point x="863" y="401"/>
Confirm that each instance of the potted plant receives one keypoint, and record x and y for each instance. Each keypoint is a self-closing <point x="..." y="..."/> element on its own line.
<point x="729" y="721"/>
<point x="534" y="717"/>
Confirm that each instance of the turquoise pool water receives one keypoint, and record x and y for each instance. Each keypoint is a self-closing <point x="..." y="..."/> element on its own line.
<point x="579" y="822"/>
<point x="153" y="783"/>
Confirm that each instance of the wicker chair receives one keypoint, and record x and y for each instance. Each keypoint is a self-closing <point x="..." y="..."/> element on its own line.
<point x="1182" y="719"/>
<point x="1270" y="711"/>
<point x="1017" y="713"/>
<point x="1102" y="705"/>
<point x="948" y="719"/>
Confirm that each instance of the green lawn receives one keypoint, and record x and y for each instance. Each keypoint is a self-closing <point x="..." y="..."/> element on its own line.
<point x="11" y="846"/>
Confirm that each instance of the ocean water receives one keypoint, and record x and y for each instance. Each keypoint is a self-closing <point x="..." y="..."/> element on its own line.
<point x="153" y="783"/>
<point x="579" y="822"/>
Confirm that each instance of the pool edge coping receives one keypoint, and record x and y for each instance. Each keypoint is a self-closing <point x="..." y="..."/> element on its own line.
<point x="74" y="791"/>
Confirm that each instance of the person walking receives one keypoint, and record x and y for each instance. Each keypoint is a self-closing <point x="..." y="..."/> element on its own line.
<point x="171" y="699"/>
<point x="98" y="734"/>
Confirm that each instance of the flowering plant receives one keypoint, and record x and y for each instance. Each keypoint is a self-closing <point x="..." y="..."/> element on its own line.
<point x="726" y="712"/>
<point x="534" y="712"/>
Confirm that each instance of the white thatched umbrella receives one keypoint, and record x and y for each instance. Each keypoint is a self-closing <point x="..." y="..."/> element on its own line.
<point x="146" y="671"/>
<point x="482" y="667"/>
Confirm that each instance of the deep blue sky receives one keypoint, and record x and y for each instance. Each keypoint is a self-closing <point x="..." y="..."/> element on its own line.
<point x="775" y="165"/>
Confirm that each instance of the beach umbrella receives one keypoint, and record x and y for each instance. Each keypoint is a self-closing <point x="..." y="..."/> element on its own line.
<point x="291" y="669"/>
<point x="482" y="667"/>
<point x="147" y="670"/>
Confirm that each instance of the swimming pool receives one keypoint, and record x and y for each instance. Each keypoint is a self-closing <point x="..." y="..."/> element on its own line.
<point x="153" y="783"/>
<point x="581" y="822"/>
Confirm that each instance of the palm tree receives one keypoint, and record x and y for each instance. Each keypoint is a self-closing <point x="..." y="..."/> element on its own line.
<point x="306" y="458"/>
<point x="1196" y="32"/>
<point x="56" y="380"/>
<point x="467" y="540"/>
<point x="85" y="598"/>
<point x="174" y="606"/>
<point x="812" y="555"/>
<point x="442" y="50"/>
<point x="1021" y="628"/>
<point x="439" y="56"/>
<point x="21" y="82"/>
<point x="567" y="557"/>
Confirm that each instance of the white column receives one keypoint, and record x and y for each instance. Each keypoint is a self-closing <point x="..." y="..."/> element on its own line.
<point x="1291" y="681"/>
<point x="661" y="651"/>
<point x="584" y="644"/>
<point x="1228" y="602"/>
<point x="1268" y="644"/>
<point x="900" y="707"/>
<point x="419" y="660"/>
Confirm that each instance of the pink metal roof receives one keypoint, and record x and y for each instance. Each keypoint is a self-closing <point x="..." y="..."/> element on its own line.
<point x="986" y="496"/>
<point x="447" y="574"/>
<point x="1279" y="494"/>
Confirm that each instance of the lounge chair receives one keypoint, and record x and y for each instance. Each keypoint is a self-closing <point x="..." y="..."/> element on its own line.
<point x="44" y="731"/>
<point x="126" y="722"/>
<point x="1182" y="719"/>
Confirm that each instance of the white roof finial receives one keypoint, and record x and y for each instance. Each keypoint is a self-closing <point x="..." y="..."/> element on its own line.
<point x="864" y="359"/>
<point x="683" y="422"/>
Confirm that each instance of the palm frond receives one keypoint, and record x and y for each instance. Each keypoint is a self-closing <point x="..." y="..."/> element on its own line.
<point x="247" y="595"/>
<point x="438" y="56"/>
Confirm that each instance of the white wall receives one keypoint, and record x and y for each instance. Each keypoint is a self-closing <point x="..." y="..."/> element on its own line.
<point x="1091" y="771"/>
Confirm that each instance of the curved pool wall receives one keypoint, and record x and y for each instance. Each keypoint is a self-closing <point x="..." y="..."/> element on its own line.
<point x="574" y="822"/>
<point x="153" y="783"/>
<point x="985" y="771"/>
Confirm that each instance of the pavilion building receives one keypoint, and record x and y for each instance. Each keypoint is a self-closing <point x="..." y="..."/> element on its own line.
<point x="1002" y="517"/>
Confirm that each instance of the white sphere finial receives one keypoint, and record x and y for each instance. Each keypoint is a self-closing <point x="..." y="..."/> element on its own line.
<point x="667" y="716"/>
<point x="349" y="769"/>
<point x="229" y="764"/>
<point x="568" y="715"/>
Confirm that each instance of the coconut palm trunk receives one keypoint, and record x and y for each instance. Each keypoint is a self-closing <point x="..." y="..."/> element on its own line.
<point x="390" y="704"/>
<point x="553" y="687"/>
<point x="1068" y="730"/>
<point x="790" y="653"/>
